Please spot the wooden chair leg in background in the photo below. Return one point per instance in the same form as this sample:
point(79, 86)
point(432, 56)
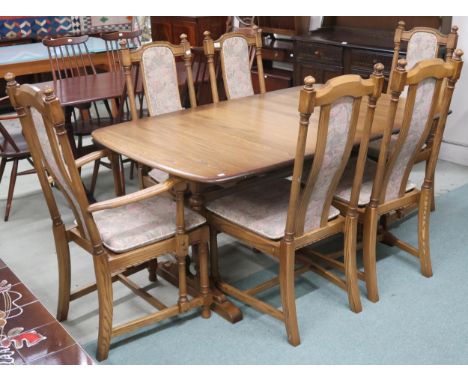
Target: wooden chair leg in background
point(105, 297)
point(92, 187)
point(423, 231)
point(2, 168)
point(153, 270)
point(11, 188)
point(371, 221)
point(288, 297)
point(350, 238)
point(63, 258)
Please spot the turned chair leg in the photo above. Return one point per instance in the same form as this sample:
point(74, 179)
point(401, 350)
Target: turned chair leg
point(352, 286)
point(11, 188)
point(288, 298)
point(204, 279)
point(371, 220)
point(63, 258)
point(92, 188)
point(153, 270)
point(423, 231)
point(105, 297)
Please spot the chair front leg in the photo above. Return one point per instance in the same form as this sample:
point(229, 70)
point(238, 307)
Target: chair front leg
point(288, 297)
point(181, 255)
point(11, 188)
point(350, 238)
point(423, 231)
point(64, 268)
point(105, 297)
point(371, 221)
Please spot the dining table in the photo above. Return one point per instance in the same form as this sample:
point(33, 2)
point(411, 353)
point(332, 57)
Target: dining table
point(224, 144)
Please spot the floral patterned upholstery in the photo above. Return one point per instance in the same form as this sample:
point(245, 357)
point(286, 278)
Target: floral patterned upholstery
point(53, 166)
point(235, 61)
point(158, 175)
point(419, 119)
point(343, 192)
point(338, 126)
point(262, 209)
point(160, 74)
point(374, 146)
point(421, 46)
point(138, 224)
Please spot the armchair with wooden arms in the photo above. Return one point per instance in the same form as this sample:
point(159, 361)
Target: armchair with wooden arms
point(123, 235)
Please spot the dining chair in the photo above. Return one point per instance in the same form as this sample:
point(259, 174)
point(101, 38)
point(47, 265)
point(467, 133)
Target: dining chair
point(69, 57)
point(281, 217)
point(13, 148)
point(157, 68)
point(124, 234)
point(235, 51)
point(422, 43)
point(386, 187)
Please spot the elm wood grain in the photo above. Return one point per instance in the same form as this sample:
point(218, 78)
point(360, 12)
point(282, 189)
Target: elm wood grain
point(226, 141)
point(61, 166)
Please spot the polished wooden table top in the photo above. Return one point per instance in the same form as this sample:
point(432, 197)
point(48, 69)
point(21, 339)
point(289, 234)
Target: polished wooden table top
point(224, 141)
point(74, 91)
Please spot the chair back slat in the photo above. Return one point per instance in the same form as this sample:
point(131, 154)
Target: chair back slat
point(69, 56)
point(427, 84)
point(339, 102)
point(156, 63)
point(112, 39)
point(236, 51)
point(423, 43)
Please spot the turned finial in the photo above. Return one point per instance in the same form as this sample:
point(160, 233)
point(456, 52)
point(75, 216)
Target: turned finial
point(183, 37)
point(458, 55)
point(10, 78)
point(123, 44)
point(378, 69)
point(401, 65)
point(309, 82)
point(454, 29)
point(401, 24)
point(207, 35)
point(49, 93)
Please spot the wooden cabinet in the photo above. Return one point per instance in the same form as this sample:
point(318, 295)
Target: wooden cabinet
point(169, 28)
point(352, 45)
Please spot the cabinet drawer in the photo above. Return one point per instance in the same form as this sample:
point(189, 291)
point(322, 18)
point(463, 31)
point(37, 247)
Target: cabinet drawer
point(365, 59)
point(307, 52)
point(282, 55)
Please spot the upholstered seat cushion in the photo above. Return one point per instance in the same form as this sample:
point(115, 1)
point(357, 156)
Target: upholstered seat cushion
point(158, 175)
point(262, 209)
point(343, 191)
point(138, 224)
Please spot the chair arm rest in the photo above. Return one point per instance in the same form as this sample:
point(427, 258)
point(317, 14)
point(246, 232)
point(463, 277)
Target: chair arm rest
point(135, 196)
point(91, 157)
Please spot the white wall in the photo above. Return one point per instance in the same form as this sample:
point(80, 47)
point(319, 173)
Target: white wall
point(455, 142)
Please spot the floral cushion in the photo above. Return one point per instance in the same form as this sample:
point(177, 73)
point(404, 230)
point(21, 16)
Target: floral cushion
point(158, 175)
point(343, 192)
point(138, 224)
point(262, 209)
